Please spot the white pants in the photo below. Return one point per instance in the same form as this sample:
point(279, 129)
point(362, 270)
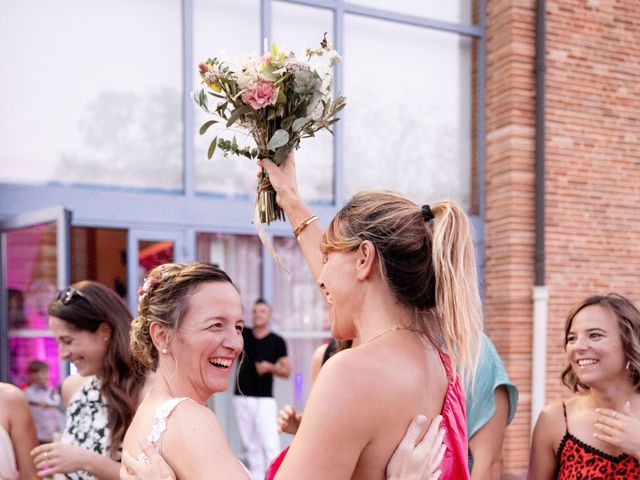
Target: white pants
point(258, 425)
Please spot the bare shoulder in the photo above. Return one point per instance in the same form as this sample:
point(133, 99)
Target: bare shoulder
point(550, 426)
point(195, 445)
point(318, 353)
point(191, 421)
point(12, 396)
point(350, 368)
point(71, 385)
point(551, 414)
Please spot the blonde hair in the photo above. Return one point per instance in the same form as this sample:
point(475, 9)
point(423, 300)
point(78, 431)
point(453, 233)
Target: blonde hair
point(428, 263)
point(164, 298)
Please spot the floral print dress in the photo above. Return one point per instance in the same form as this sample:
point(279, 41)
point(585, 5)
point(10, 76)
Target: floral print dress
point(87, 423)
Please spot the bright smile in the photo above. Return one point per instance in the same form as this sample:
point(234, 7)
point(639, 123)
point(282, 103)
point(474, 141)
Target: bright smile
point(220, 362)
point(585, 362)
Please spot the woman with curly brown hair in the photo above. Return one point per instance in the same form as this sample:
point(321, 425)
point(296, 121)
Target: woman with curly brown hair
point(189, 328)
point(595, 433)
point(402, 279)
point(91, 324)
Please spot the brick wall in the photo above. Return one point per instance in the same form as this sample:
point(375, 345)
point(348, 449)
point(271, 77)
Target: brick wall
point(509, 267)
point(592, 175)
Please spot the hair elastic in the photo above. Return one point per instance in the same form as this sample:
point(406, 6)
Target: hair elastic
point(427, 214)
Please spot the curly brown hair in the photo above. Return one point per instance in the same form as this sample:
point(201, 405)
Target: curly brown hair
point(164, 298)
point(121, 379)
point(628, 317)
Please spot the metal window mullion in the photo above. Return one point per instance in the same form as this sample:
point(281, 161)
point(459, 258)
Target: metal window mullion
point(338, 131)
point(188, 155)
point(381, 14)
point(480, 137)
point(4, 312)
point(265, 25)
point(469, 30)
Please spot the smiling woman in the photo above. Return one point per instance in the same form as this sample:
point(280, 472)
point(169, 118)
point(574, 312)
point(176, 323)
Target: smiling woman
point(601, 433)
point(189, 328)
point(91, 325)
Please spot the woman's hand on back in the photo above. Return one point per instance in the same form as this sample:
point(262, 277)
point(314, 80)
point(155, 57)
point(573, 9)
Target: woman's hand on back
point(156, 469)
point(421, 461)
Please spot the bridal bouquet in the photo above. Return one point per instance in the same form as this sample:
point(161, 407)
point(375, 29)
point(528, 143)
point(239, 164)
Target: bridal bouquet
point(278, 99)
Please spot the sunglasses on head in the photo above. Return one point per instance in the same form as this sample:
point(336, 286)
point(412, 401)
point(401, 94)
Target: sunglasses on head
point(67, 295)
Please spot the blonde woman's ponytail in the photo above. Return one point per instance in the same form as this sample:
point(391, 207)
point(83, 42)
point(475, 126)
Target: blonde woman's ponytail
point(457, 297)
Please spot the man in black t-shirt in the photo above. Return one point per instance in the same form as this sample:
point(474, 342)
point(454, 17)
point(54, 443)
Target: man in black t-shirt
point(265, 355)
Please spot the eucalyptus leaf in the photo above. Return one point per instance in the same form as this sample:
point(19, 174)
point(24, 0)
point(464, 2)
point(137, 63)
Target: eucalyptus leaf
point(237, 113)
point(281, 154)
point(286, 123)
point(299, 123)
point(282, 98)
point(278, 139)
point(212, 147)
point(206, 126)
point(315, 99)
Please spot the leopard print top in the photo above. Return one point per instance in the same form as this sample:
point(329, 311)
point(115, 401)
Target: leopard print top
point(577, 459)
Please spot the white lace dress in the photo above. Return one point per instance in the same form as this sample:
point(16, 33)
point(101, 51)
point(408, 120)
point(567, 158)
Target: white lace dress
point(8, 470)
point(159, 426)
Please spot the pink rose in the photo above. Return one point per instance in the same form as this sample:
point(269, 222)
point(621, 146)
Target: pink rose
point(260, 96)
point(203, 68)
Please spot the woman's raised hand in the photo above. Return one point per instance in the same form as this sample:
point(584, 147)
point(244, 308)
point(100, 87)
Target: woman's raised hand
point(283, 178)
point(421, 461)
point(620, 429)
point(289, 420)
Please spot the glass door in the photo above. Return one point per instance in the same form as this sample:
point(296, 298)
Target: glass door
point(35, 259)
point(146, 249)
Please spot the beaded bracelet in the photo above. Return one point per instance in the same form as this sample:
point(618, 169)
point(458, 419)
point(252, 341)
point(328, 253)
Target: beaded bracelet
point(307, 221)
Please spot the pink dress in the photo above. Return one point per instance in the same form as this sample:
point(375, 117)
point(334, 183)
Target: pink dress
point(454, 421)
point(454, 465)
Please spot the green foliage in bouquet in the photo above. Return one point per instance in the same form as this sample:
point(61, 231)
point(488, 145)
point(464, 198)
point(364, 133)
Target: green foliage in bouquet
point(278, 99)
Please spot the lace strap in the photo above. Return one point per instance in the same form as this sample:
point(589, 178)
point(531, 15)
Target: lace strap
point(160, 419)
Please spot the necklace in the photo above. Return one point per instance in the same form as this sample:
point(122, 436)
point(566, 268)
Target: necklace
point(392, 329)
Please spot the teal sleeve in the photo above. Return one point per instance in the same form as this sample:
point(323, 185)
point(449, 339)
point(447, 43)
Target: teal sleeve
point(490, 374)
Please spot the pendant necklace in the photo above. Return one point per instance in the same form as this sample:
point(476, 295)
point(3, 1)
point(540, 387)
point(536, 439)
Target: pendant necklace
point(392, 329)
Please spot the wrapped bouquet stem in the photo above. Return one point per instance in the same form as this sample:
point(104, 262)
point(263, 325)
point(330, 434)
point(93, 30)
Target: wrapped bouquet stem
point(277, 99)
point(265, 204)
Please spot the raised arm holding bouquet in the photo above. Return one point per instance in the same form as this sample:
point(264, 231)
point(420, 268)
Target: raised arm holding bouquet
point(278, 99)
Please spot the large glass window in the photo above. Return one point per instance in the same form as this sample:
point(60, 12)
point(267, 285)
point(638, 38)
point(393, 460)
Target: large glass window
point(230, 30)
point(408, 124)
point(240, 256)
point(298, 27)
point(92, 93)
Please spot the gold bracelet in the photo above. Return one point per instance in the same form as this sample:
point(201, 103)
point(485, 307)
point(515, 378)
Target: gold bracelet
point(307, 221)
